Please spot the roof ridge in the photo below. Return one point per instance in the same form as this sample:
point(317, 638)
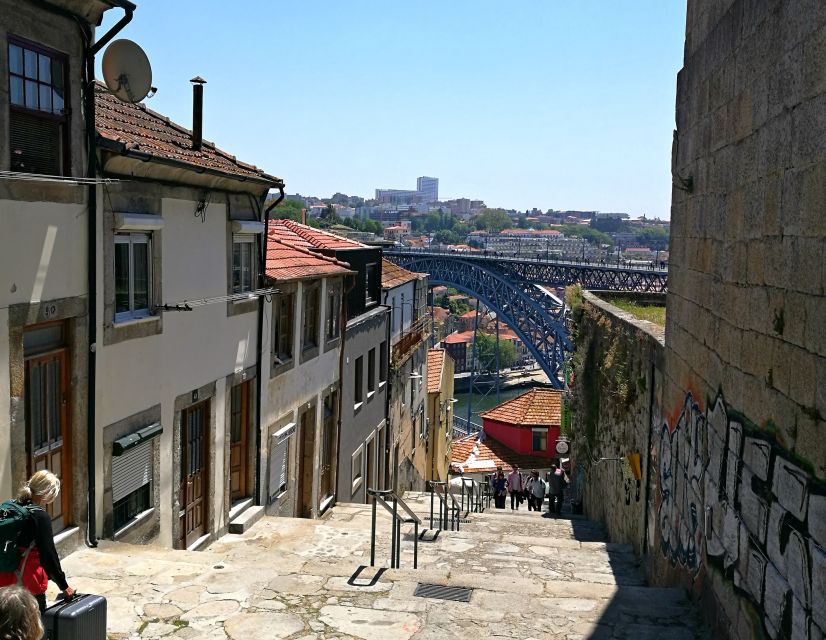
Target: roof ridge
point(308, 252)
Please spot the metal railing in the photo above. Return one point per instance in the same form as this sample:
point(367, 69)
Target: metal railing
point(383, 497)
point(449, 508)
point(478, 499)
point(462, 427)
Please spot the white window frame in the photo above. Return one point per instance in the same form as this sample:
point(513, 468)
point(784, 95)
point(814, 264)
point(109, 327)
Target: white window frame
point(239, 240)
point(357, 470)
point(132, 238)
point(282, 438)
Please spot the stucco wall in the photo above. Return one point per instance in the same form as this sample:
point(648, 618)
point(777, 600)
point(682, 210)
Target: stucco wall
point(520, 438)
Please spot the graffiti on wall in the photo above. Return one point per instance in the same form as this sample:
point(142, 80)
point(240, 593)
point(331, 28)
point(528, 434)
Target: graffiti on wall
point(731, 497)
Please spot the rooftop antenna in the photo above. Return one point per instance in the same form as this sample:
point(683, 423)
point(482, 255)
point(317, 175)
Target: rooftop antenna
point(126, 71)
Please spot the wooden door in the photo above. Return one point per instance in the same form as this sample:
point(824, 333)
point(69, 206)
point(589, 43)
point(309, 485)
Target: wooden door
point(47, 426)
point(239, 439)
point(304, 495)
point(328, 448)
point(194, 471)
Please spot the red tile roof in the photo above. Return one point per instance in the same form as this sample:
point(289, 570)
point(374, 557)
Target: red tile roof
point(143, 131)
point(435, 366)
point(286, 262)
point(536, 407)
point(317, 238)
point(440, 314)
point(468, 455)
point(459, 337)
point(392, 275)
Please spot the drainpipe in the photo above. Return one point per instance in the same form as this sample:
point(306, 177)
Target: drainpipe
point(348, 287)
point(259, 336)
point(91, 258)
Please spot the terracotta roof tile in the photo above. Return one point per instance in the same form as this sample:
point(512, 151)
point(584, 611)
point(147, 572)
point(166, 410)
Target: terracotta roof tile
point(142, 130)
point(287, 262)
point(319, 238)
point(392, 275)
point(435, 366)
point(469, 455)
point(536, 407)
point(440, 314)
point(459, 337)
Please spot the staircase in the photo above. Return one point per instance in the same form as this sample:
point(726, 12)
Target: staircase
point(502, 575)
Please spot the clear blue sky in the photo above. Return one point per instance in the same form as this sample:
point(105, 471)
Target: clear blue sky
point(564, 104)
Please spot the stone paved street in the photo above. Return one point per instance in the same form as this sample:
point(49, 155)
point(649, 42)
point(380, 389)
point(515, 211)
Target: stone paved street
point(532, 577)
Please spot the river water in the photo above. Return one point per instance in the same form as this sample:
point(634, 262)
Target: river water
point(485, 402)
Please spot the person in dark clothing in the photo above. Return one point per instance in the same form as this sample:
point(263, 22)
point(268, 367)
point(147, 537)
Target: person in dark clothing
point(556, 489)
point(500, 489)
point(40, 562)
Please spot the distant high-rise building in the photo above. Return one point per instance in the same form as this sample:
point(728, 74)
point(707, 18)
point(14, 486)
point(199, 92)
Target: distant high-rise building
point(428, 188)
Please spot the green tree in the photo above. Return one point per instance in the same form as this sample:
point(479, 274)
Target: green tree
point(655, 238)
point(522, 222)
point(593, 236)
point(492, 220)
point(486, 352)
point(288, 209)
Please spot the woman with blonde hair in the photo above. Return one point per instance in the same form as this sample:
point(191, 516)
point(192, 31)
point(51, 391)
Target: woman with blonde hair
point(39, 561)
point(19, 615)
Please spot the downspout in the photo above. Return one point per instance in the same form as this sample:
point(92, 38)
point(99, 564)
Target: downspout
point(348, 287)
point(262, 275)
point(91, 260)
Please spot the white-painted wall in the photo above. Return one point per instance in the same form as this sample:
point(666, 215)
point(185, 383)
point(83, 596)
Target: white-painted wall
point(196, 347)
point(6, 488)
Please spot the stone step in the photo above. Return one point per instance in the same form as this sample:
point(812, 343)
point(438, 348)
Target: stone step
point(246, 519)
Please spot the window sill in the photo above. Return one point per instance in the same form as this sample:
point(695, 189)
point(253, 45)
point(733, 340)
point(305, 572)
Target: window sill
point(126, 321)
point(325, 504)
point(142, 517)
point(357, 406)
point(356, 484)
point(382, 384)
point(65, 535)
point(370, 395)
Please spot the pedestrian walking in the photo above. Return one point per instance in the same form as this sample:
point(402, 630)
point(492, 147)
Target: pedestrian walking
point(516, 487)
point(19, 615)
point(500, 489)
point(29, 556)
point(535, 488)
point(556, 489)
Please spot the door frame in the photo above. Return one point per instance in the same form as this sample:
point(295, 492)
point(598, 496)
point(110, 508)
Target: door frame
point(206, 469)
point(247, 437)
point(63, 352)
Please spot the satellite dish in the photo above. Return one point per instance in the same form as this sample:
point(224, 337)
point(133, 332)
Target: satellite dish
point(126, 71)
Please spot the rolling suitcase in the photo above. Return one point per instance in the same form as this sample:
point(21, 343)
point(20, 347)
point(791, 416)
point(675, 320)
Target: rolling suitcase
point(82, 618)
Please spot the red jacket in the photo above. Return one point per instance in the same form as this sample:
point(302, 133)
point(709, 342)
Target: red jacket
point(35, 580)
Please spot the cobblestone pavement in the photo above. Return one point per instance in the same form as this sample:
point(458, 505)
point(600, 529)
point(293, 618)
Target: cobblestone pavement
point(532, 578)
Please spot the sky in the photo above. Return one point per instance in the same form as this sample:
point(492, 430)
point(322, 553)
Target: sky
point(561, 104)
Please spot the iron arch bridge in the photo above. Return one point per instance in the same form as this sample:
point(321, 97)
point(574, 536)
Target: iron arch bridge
point(512, 287)
point(542, 332)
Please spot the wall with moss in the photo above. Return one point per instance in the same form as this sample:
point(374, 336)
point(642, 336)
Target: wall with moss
point(614, 404)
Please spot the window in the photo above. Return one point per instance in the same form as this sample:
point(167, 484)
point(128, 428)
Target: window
point(540, 439)
point(131, 484)
point(358, 396)
point(132, 276)
point(401, 314)
point(283, 314)
point(412, 393)
point(280, 461)
point(333, 313)
point(370, 281)
point(243, 263)
point(38, 118)
point(383, 363)
point(310, 338)
point(357, 468)
point(371, 371)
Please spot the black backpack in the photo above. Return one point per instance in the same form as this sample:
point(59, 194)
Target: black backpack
point(13, 518)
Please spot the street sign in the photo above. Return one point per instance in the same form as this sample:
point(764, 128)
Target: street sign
point(562, 447)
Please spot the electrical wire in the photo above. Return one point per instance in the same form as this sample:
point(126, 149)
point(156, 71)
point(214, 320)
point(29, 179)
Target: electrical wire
point(189, 305)
point(37, 177)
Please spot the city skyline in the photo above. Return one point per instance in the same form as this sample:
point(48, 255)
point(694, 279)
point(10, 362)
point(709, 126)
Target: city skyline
point(539, 105)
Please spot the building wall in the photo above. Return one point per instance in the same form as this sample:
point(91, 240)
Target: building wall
point(407, 437)
point(358, 426)
point(520, 438)
point(163, 360)
point(436, 463)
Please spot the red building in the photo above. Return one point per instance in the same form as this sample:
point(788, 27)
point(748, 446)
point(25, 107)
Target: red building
point(529, 424)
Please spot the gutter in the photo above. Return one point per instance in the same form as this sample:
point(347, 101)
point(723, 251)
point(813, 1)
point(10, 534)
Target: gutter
point(260, 351)
point(91, 258)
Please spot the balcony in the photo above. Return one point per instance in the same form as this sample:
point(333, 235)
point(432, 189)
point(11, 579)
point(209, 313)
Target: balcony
point(409, 340)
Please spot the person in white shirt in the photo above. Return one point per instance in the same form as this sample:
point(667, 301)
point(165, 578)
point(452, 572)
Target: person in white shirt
point(516, 486)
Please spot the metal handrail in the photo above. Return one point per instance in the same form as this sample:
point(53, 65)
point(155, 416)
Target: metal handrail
point(442, 490)
point(382, 496)
point(475, 502)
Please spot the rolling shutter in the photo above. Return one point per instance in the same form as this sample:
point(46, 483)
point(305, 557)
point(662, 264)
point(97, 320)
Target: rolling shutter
point(279, 460)
point(35, 144)
point(132, 470)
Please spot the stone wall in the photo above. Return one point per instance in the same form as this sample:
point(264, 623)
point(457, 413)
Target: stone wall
point(737, 498)
point(742, 460)
point(615, 398)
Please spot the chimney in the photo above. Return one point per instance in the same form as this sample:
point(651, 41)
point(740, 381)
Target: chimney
point(197, 112)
